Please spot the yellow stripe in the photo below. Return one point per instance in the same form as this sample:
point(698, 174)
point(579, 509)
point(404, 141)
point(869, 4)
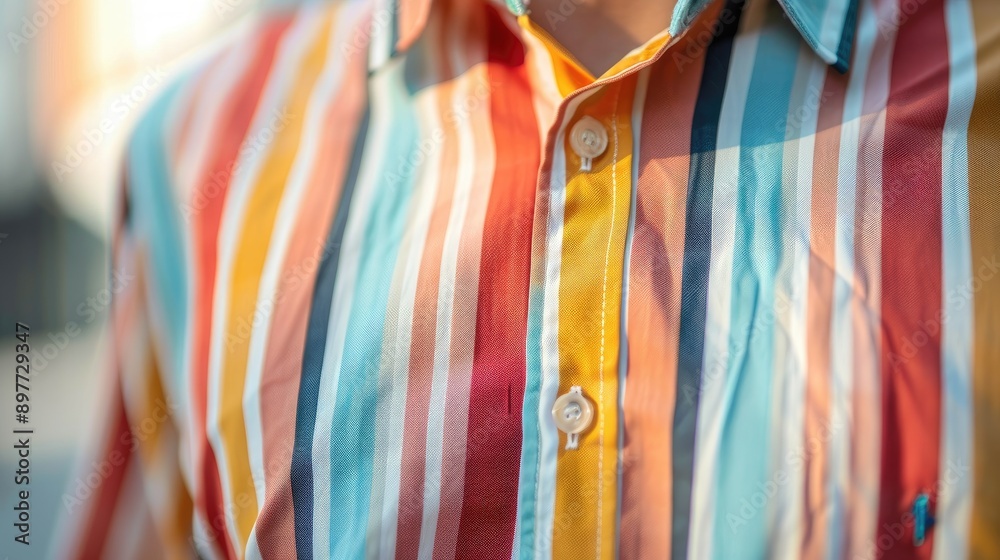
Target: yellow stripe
point(984, 221)
point(247, 266)
point(595, 225)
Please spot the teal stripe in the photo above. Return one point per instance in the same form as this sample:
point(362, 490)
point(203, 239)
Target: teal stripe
point(352, 439)
point(524, 544)
point(155, 217)
point(744, 494)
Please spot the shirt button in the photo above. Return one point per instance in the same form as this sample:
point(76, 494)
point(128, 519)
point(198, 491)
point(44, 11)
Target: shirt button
point(589, 139)
point(572, 413)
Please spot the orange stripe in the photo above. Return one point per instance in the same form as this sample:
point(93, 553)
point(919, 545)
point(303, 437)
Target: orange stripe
point(654, 310)
point(822, 265)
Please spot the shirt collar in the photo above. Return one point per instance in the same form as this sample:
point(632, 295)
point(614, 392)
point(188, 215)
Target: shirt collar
point(826, 25)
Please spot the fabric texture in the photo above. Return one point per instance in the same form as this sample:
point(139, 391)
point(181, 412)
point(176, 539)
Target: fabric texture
point(369, 259)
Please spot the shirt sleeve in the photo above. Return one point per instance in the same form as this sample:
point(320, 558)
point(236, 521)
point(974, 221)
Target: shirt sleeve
point(128, 497)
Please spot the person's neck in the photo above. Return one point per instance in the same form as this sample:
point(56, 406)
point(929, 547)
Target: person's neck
point(600, 32)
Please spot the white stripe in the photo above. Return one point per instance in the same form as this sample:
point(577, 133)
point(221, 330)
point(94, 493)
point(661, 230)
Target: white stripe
point(278, 83)
point(475, 169)
point(548, 441)
point(711, 416)
point(955, 497)
point(384, 13)
point(206, 120)
point(791, 362)
point(205, 128)
point(396, 353)
point(382, 84)
point(866, 381)
point(842, 320)
point(638, 109)
point(284, 225)
point(253, 551)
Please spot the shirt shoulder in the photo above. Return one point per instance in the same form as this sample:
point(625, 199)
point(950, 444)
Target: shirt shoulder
point(207, 137)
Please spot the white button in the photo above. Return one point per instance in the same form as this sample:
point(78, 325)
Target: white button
point(588, 138)
point(573, 414)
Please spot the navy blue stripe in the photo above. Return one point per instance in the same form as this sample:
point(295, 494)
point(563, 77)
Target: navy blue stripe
point(847, 38)
point(694, 280)
point(312, 359)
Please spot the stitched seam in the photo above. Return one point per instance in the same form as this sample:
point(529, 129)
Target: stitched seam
point(604, 314)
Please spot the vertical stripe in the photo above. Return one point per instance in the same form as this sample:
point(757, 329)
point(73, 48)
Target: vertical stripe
point(791, 305)
point(286, 210)
point(529, 527)
point(309, 251)
point(819, 427)
point(635, 122)
point(757, 243)
point(705, 131)
point(213, 189)
point(654, 296)
point(345, 438)
point(911, 303)
point(843, 511)
point(954, 498)
point(240, 259)
point(461, 249)
point(712, 416)
point(397, 336)
point(415, 481)
point(555, 179)
point(866, 310)
point(457, 310)
point(317, 336)
point(493, 444)
point(984, 227)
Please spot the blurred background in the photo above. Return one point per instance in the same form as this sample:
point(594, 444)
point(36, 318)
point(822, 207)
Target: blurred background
point(74, 77)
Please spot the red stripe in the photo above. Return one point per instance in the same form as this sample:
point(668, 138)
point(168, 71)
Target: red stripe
point(911, 267)
point(493, 444)
point(95, 534)
point(211, 190)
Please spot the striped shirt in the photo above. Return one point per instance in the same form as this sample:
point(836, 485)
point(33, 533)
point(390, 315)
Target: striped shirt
point(408, 282)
